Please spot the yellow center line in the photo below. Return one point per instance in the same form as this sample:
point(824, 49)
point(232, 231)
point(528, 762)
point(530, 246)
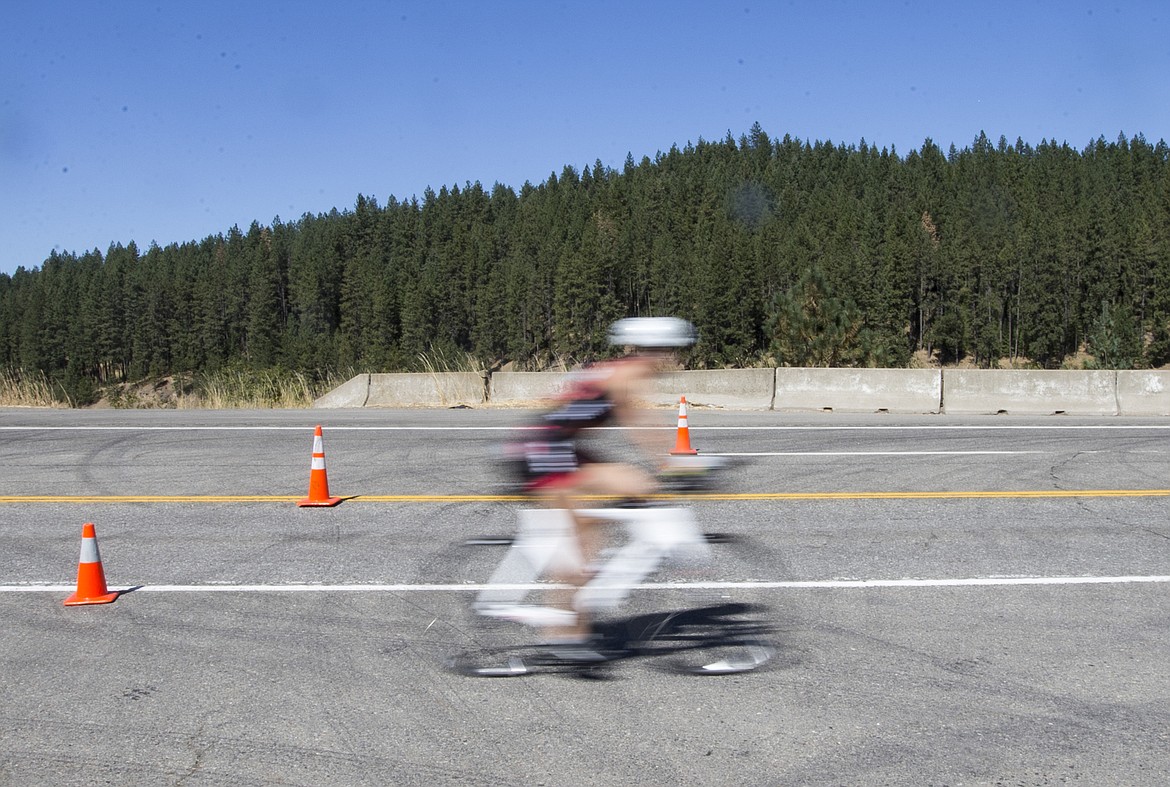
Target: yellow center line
point(697, 496)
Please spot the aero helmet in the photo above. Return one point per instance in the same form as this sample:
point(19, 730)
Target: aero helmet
point(653, 332)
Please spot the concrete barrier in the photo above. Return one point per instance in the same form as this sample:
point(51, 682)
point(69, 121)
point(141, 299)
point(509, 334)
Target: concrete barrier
point(859, 390)
point(741, 389)
point(1038, 392)
point(736, 389)
point(1143, 393)
point(352, 393)
point(954, 391)
point(441, 389)
point(525, 388)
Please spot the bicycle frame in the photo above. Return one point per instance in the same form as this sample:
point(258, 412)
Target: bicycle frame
point(546, 542)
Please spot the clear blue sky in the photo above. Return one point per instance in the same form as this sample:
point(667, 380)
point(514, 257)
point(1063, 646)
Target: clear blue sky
point(168, 122)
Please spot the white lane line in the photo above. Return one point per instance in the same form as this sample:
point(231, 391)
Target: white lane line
point(749, 585)
point(255, 428)
point(521, 427)
point(935, 427)
point(883, 453)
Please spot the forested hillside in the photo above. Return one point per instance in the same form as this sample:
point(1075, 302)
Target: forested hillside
point(781, 251)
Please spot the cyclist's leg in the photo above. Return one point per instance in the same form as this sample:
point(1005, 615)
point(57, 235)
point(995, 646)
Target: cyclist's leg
point(592, 478)
point(613, 478)
point(544, 538)
point(569, 572)
point(655, 534)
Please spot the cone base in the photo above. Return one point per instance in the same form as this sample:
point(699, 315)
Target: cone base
point(77, 600)
point(684, 452)
point(323, 502)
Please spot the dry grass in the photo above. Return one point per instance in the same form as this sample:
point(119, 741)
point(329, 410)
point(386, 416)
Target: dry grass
point(18, 389)
point(438, 361)
point(233, 390)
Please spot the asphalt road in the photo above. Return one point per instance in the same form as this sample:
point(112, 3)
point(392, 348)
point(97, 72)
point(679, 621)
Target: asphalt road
point(955, 601)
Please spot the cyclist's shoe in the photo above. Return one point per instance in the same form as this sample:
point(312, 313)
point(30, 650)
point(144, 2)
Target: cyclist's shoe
point(529, 614)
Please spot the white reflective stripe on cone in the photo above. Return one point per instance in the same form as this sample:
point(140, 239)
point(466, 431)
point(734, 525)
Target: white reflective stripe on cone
point(318, 462)
point(89, 551)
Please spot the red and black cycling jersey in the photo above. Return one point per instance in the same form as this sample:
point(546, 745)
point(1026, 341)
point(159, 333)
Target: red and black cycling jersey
point(595, 408)
point(552, 454)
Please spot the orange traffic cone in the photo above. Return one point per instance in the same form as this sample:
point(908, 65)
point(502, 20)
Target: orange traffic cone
point(682, 445)
point(91, 580)
point(318, 479)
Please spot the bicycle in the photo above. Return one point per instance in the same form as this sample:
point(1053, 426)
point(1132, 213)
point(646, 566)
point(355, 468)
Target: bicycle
point(718, 639)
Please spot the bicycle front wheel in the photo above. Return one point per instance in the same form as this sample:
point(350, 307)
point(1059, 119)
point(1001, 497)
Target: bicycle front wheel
point(725, 639)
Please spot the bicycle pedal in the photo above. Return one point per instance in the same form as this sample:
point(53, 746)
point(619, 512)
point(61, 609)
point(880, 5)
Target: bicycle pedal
point(575, 654)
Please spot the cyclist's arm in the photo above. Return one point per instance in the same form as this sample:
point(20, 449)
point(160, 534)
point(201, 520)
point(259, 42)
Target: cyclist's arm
point(627, 387)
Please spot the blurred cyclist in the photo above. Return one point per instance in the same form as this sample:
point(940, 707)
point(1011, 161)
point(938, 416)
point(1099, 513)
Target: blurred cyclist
point(559, 471)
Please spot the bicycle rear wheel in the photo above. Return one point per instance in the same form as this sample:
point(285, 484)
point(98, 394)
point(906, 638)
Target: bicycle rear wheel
point(493, 662)
point(519, 660)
